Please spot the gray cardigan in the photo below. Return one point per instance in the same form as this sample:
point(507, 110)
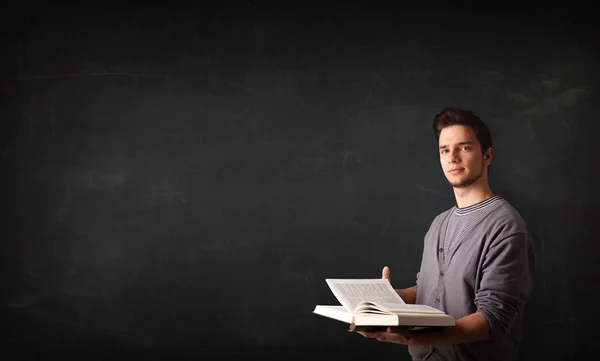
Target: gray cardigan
point(490, 269)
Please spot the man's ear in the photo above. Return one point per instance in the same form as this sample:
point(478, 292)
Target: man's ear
point(488, 155)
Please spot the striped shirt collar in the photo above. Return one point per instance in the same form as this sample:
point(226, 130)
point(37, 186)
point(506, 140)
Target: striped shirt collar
point(477, 206)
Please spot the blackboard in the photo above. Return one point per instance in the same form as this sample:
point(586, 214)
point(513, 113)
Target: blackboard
point(181, 181)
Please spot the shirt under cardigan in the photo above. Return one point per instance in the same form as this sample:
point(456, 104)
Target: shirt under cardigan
point(478, 258)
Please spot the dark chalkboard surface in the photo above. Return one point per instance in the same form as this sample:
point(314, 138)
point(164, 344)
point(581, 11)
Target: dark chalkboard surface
point(180, 182)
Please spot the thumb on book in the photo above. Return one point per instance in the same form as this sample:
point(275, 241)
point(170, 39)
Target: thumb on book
point(385, 273)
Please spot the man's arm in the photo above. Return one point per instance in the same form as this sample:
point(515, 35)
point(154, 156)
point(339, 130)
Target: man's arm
point(507, 282)
point(506, 285)
point(409, 295)
point(471, 328)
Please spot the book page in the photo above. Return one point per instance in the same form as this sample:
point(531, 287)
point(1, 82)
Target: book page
point(350, 292)
point(375, 307)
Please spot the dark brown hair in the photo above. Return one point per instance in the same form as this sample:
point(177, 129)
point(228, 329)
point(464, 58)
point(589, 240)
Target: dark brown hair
point(454, 116)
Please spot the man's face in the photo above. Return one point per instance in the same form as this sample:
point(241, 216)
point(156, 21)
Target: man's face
point(461, 158)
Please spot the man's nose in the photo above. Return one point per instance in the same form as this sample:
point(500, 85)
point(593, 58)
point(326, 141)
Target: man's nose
point(453, 158)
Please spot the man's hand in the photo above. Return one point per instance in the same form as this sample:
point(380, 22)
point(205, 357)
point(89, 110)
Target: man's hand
point(400, 335)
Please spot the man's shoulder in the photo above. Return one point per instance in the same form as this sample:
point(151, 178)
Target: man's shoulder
point(506, 210)
point(507, 217)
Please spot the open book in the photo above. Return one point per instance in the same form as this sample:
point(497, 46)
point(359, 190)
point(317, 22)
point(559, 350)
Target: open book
point(374, 302)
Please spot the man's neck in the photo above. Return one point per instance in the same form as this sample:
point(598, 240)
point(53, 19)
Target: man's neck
point(472, 195)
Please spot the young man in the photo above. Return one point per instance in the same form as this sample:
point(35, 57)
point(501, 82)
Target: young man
point(478, 257)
